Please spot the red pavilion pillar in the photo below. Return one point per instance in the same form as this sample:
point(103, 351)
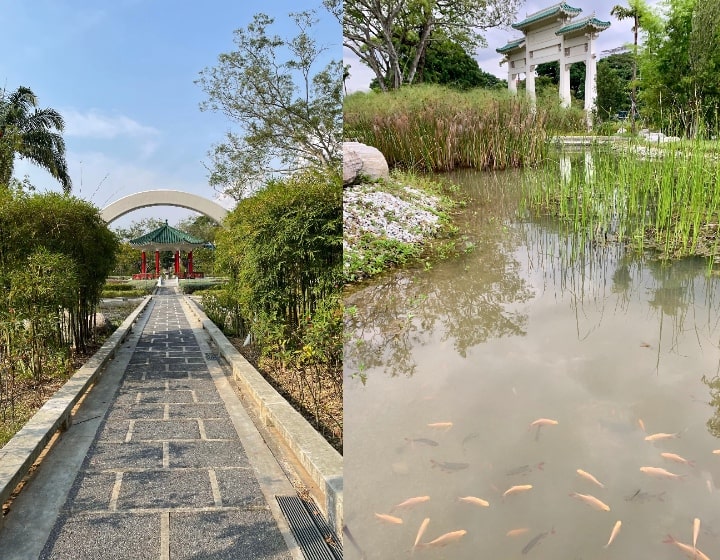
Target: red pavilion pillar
point(177, 263)
point(157, 263)
point(143, 264)
point(190, 265)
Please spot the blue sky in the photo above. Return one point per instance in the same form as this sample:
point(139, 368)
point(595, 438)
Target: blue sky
point(616, 35)
point(121, 73)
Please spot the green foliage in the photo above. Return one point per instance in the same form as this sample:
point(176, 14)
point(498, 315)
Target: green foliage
point(577, 76)
point(435, 128)
point(446, 62)
point(392, 37)
point(289, 111)
point(55, 253)
point(681, 84)
point(282, 249)
point(31, 133)
point(65, 226)
point(614, 74)
point(372, 255)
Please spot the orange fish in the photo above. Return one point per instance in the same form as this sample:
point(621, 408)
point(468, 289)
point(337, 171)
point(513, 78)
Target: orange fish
point(716, 451)
point(474, 500)
point(441, 425)
point(660, 436)
point(696, 531)
point(590, 477)
point(642, 425)
point(613, 533)
point(591, 501)
point(516, 489)
point(517, 532)
point(677, 459)
point(659, 472)
point(389, 518)
point(410, 502)
point(544, 422)
point(447, 538)
point(421, 531)
point(687, 549)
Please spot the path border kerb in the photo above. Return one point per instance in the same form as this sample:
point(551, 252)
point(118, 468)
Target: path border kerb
point(317, 456)
point(19, 454)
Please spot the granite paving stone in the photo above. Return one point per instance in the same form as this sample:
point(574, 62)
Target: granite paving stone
point(226, 536)
point(165, 489)
point(165, 430)
point(124, 455)
point(220, 428)
point(136, 411)
point(92, 537)
point(163, 396)
point(91, 491)
point(238, 489)
point(207, 454)
point(213, 410)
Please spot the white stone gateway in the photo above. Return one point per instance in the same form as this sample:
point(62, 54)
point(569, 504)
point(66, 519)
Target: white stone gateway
point(555, 33)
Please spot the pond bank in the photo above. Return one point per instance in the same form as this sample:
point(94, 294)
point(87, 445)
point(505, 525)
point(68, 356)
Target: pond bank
point(388, 223)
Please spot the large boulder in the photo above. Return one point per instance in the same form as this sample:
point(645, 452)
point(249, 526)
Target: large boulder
point(361, 160)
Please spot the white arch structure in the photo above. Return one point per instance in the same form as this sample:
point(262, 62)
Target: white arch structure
point(555, 33)
point(164, 197)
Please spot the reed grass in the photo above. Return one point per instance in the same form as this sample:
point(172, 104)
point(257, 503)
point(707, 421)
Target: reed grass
point(432, 128)
point(665, 199)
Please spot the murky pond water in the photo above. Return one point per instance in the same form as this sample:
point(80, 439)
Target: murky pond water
point(460, 360)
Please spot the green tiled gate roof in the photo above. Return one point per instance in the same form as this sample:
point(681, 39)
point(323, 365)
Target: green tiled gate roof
point(561, 7)
point(166, 235)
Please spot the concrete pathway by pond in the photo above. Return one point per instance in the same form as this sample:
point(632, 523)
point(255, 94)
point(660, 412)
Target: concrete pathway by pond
point(167, 466)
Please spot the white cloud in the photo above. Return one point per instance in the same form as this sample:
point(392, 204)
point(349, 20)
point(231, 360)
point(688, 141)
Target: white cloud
point(94, 124)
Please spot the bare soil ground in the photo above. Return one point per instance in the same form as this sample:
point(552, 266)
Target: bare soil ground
point(311, 394)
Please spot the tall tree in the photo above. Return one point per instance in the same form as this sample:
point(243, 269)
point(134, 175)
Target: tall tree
point(682, 86)
point(31, 133)
point(637, 10)
point(289, 111)
point(614, 76)
point(375, 30)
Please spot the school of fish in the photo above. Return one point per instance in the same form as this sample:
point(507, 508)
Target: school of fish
point(517, 490)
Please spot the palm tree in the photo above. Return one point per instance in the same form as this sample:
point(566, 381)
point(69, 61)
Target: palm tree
point(31, 133)
point(634, 10)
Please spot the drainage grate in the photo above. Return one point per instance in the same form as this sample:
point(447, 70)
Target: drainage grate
point(211, 356)
point(304, 526)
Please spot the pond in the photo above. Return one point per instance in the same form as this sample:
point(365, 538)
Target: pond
point(448, 371)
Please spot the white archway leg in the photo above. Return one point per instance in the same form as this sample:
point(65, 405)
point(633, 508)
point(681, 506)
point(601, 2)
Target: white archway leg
point(530, 83)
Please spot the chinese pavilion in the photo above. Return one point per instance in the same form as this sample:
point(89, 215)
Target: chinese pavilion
point(167, 238)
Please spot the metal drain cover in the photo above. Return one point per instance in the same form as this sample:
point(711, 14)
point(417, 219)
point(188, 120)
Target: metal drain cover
point(306, 531)
point(211, 356)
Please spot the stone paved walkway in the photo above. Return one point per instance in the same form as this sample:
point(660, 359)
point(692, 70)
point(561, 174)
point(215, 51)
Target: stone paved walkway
point(166, 475)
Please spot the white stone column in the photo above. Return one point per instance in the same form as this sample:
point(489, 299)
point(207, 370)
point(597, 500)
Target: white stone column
point(565, 168)
point(512, 82)
point(590, 80)
point(530, 82)
point(564, 83)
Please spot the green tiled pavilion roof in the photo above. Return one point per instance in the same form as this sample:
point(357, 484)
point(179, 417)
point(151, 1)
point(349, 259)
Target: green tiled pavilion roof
point(558, 8)
point(590, 21)
point(166, 235)
point(511, 45)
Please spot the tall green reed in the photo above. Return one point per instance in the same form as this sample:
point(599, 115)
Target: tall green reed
point(665, 198)
point(432, 128)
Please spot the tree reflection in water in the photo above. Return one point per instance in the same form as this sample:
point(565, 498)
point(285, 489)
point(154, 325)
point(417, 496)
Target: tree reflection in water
point(481, 295)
